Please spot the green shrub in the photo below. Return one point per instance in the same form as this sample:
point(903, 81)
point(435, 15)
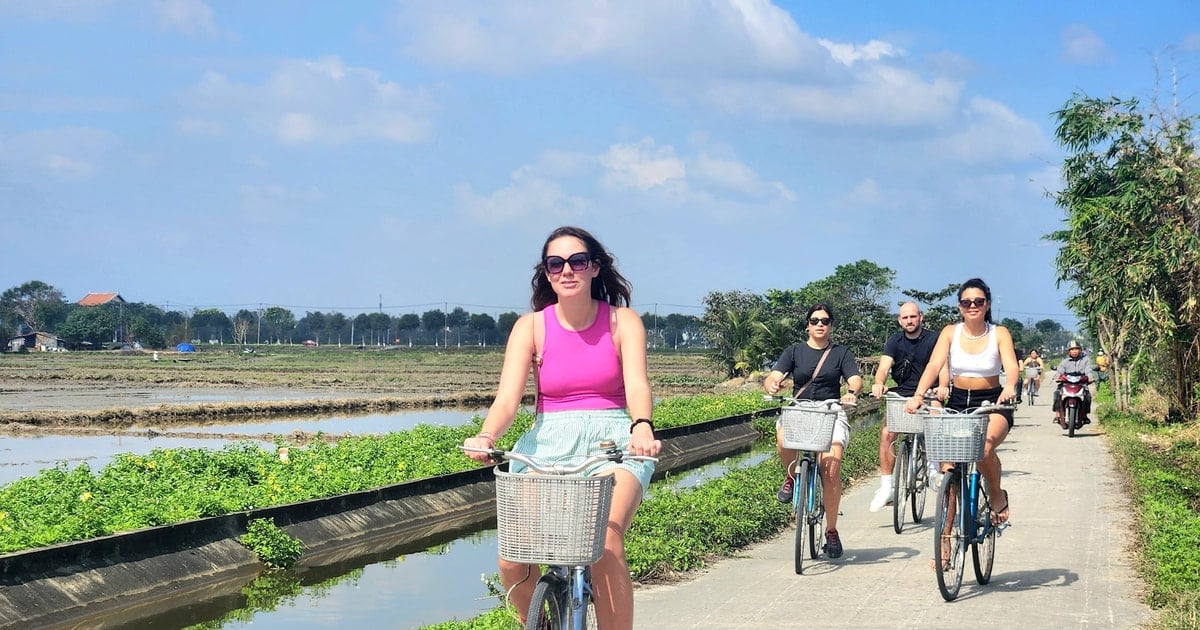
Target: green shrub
point(275, 548)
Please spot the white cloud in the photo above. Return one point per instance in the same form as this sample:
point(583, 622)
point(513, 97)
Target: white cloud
point(323, 102)
point(1082, 45)
point(527, 196)
point(190, 17)
point(1190, 42)
point(992, 133)
point(848, 54)
point(673, 35)
point(878, 97)
point(712, 181)
point(643, 165)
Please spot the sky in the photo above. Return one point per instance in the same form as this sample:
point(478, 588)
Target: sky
point(415, 155)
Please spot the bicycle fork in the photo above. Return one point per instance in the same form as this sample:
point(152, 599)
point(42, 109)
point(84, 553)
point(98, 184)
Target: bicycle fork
point(974, 528)
point(580, 594)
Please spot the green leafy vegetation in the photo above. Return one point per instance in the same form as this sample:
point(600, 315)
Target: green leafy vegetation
point(273, 546)
point(172, 485)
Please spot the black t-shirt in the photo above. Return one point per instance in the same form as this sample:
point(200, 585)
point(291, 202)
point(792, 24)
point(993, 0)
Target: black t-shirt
point(800, 360)
point(909, 358)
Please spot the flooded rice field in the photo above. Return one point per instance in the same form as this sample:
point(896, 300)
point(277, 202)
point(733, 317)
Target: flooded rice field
point(23, 455)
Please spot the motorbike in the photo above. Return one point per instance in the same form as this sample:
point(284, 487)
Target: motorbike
point(1072, 387)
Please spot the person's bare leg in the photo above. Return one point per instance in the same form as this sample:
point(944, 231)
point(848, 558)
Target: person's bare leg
point(610, 575)
point(989, 466)
point(524, 576)
point(831, 483)
point(887, 453)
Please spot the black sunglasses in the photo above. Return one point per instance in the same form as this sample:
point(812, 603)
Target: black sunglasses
point(824, 321)
point(972, 302)
point(578, 262)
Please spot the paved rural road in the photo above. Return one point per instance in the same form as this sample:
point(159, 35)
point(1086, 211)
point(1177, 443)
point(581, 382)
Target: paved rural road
point(1064, 563)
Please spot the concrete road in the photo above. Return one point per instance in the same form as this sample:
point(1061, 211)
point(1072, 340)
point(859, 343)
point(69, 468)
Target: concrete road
point(1064, 562)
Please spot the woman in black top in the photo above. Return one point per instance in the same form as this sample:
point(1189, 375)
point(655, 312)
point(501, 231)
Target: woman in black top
point(800, 361)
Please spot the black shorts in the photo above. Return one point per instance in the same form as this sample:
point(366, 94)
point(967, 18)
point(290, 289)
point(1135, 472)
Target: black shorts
point(964, 399)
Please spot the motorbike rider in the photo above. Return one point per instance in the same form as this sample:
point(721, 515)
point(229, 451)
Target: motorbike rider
point(1076, 361)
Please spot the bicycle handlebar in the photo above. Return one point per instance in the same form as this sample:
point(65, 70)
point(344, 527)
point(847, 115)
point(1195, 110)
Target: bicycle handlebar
point(890, 395)
point(828, 404)
point(609, 455)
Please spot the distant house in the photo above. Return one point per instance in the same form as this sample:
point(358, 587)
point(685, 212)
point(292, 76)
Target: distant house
point(35, 341)
point(98, 299)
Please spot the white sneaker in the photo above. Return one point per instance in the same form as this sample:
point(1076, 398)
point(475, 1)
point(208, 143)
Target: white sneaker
point(883, 496)
point(935, 475)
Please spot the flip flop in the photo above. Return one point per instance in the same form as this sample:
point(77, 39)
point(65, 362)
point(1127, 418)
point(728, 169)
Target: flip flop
point(996, 514)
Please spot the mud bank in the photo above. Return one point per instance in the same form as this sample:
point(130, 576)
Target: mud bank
point(107, 582)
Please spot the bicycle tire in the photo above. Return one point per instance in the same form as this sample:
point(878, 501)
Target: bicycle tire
point(1072, 419)
point(1032, 391)
point(800, 502)
point(949, 568)
point(549, 605)
point(816, 516)
point(918, 470)
point(900, 485)
point(983, 551)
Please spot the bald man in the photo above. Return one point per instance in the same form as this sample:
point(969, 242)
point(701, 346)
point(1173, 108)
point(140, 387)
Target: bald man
point(905, 356)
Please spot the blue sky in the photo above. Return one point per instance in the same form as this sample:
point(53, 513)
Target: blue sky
point(327, 156)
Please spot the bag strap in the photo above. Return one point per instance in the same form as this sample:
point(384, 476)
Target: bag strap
point(539, 344)
point(815, 372)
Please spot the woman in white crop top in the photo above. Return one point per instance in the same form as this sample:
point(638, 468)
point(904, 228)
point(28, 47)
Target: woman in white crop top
point(978, 351)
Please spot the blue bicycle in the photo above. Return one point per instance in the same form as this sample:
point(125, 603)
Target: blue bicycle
point(807, 426)
point(963, 518)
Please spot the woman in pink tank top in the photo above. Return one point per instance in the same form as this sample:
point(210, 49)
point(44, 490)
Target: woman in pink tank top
point(589, 350)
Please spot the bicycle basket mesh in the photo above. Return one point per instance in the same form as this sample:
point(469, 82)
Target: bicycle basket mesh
point(900, 421)
point(807, 427)
point(552, 519)
point(955, 438)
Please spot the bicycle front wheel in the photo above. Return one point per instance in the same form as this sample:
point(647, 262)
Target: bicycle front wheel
point(800, 498)
point(900, 485)
point(918, 472)
point(949, 549)
point(983, 551)
point(550, 604)
point(1032, 390)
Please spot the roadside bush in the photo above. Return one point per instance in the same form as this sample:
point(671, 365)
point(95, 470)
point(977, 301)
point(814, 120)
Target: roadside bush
point(273, 546)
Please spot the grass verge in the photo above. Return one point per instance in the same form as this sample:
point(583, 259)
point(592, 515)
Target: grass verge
point(1161, 464)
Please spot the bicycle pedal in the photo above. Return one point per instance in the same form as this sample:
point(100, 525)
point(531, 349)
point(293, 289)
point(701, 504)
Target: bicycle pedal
point(1001, 527)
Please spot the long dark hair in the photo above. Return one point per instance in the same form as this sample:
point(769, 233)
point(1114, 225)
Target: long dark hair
point(978, 283)
point(610, 286)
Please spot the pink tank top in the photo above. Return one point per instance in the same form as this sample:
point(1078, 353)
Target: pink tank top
point(580, 369)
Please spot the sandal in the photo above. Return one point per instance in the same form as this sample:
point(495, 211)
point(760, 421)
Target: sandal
point(947, 551)
point(1000, 516)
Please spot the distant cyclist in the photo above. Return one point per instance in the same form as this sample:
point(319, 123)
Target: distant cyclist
point(905, 356)
point(1032, 366)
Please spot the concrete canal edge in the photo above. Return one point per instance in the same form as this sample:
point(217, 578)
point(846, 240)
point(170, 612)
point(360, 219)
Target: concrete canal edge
point(110, 580)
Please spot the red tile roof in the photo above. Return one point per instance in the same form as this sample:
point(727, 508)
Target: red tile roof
point(96, 299)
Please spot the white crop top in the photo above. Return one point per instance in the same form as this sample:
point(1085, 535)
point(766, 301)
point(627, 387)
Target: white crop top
point(984, 364)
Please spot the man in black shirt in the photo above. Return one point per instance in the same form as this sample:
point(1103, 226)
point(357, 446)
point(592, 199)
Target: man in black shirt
point(905, 356)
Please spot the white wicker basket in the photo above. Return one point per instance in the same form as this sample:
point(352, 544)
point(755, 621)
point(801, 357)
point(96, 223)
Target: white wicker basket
point(900, 421)
point(808, 426)
point(955, 437)
point(552, 519)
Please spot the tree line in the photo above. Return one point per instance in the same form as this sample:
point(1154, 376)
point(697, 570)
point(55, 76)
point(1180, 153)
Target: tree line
point(39, 307)
point(748, 331)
